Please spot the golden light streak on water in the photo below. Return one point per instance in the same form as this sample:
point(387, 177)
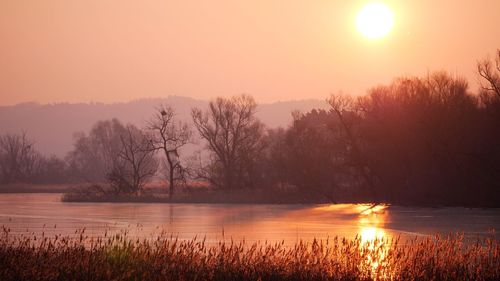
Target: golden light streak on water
point(371, 223)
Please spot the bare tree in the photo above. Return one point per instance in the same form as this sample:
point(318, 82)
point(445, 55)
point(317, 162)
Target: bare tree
point(18, 158)
point(233, 135)
point(95, 154)
point(490, 73)
point(120, 154)
point(345, 107)
point(168, 135)
point(137, 163)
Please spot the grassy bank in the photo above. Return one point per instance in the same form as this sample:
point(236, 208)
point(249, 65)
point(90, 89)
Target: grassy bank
point(166, 258)
point(242, 196)
point(35, 188)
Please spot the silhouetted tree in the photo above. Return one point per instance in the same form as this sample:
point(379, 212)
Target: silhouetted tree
point(50, 170)
point(276, 164)
point(120, 154)
point(347, 111)
point(233, 135)
point(413, 132)
point(169, 136)
point(136, 161)
point(96, 154)
point(315, 158)
point(18, 158)
point(490, 72)
point(418, 140)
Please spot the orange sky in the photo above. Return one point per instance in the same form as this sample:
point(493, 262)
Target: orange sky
point(118, 50)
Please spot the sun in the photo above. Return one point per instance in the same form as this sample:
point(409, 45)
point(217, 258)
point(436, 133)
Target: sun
point(375, 20)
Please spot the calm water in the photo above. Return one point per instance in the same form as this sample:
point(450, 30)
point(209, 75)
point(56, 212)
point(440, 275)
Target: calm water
point(45, 213)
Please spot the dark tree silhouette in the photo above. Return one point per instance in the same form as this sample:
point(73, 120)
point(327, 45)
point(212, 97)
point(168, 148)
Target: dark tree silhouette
point(416, 141)
point(136, 161)
point(120, 154)
point(18, 158)
point(168, 136)
point(490, 72)
point(233, 135)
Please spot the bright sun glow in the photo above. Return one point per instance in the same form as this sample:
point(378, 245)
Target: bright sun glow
point(375, 20)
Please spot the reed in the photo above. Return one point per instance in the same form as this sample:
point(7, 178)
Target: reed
point(120, 257)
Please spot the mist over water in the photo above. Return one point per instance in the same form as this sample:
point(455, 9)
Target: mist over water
point(44, 213)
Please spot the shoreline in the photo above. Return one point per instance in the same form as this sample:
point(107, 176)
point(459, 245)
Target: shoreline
point(237, 200)
point(70, 194)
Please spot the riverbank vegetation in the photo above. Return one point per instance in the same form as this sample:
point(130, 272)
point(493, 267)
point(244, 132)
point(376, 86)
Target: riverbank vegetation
point(36, 188)
point(417, 141)
point(199, 195)
point(117, 257)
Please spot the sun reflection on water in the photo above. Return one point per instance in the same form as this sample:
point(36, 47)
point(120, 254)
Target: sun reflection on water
point(373, 237)
point(370, 234)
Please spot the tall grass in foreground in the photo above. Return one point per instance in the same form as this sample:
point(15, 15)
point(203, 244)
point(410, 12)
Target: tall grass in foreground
point(118, 257)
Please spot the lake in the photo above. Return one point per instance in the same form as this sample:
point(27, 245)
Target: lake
point(37, 213)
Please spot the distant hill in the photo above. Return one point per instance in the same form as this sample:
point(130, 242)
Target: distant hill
point(53, 126)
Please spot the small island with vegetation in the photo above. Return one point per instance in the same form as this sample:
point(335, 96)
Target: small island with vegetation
point(426, 141)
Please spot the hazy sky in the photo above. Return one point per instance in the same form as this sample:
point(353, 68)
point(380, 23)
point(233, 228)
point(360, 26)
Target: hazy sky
point(118, 50)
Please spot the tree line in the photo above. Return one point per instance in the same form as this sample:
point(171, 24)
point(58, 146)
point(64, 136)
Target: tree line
point(419, 140)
